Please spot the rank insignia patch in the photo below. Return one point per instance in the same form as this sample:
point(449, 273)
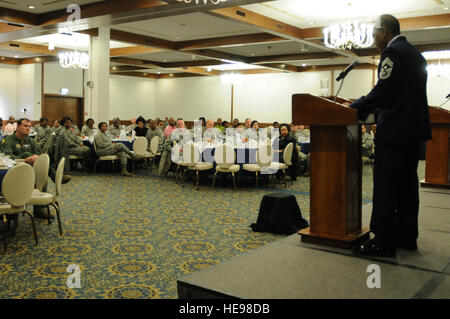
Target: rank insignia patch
point(386, 69)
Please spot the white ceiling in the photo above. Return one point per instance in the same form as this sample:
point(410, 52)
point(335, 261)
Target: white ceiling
point(17, 54)
point(275, 48)
point(167, 56)
point(73, 41)
point(42, 6)
point(307, 13)
point(187, 27)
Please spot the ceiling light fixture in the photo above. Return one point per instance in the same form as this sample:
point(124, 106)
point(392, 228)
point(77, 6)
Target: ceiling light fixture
point(347, 35)
point(74, 60)
point(31, 7)
point(200, 1)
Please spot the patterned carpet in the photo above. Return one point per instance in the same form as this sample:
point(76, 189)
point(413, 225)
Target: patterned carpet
point(133, 237)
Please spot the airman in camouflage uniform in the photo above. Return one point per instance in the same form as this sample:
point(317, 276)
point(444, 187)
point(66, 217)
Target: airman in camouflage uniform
point(155, 131)
point(73, 141)
point(114, 129)
point(105, 147)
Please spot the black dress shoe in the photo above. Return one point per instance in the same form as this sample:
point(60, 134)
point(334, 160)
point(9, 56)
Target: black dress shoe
point(41, 214)
point(374, 249)
point(406, 244)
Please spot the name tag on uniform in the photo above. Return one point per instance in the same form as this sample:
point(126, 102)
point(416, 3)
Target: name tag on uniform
point(26, 146)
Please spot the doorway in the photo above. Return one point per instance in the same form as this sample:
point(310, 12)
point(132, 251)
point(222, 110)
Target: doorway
point(55, 107)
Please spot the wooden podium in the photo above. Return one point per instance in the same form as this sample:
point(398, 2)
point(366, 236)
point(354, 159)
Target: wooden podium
point(335, 172)
point(437, 171)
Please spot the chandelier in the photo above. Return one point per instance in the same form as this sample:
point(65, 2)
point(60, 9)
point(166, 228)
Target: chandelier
point(74, 60)
point(347, 35)
point(204, 1)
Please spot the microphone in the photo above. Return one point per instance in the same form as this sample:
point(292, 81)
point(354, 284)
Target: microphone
point(345, 72)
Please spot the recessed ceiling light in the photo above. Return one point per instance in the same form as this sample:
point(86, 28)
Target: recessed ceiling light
point(312, 22)
point(193, 57)
point(252, 54)
point(445, 8)
point(165, 60)
point(304, 64)
point(145, 74)
point(16, 56)
point(159, 72)
point(171, 74)
point(31, 7)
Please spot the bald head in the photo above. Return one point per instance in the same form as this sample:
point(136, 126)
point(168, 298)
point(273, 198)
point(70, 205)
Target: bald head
point(209, 124)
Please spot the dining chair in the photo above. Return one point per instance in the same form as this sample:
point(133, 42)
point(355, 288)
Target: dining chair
point(225, 157)
point(17, 189)
point(49, 199)
point(105, 158)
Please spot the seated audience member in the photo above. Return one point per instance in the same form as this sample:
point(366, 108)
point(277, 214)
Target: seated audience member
point(20, 146)
point(89, 129)
point(212, 134)
point(56, 126)
point(219, 125)
point(203, 123)
point(367, 142)
point(235, 123)
point(283, 140)
point(140, 129)
point(253, 133)
point(11, 127)
point(179, 135)
point(114, 129)
point(75, 128)
point(153, 131)
point(170, 127)
point(37, 127)
point(302, 133)
point(73, 141)
point(240, 134)
point(133, 124)
point(105, 147)
point(166, 122)
point(161, 125)
point(43, 133)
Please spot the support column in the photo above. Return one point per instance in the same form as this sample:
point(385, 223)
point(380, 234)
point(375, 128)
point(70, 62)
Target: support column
point(97, 97)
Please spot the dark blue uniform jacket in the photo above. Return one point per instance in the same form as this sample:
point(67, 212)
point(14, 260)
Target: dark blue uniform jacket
point(400, 96)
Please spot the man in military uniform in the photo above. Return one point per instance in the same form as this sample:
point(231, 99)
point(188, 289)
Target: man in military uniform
point(43, 133)
point(105, 147)
point(114, 129)
point(211, 133)
point(401, 97)
point(20, 146)
point(73, 141)
point(180, 134)
point(155, 131)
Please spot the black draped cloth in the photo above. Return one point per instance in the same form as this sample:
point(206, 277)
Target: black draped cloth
point(279, 214)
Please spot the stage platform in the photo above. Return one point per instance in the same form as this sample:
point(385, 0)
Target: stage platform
point(290, 269)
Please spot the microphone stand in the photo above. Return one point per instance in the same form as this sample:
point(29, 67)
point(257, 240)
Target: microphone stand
point(340, 88)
